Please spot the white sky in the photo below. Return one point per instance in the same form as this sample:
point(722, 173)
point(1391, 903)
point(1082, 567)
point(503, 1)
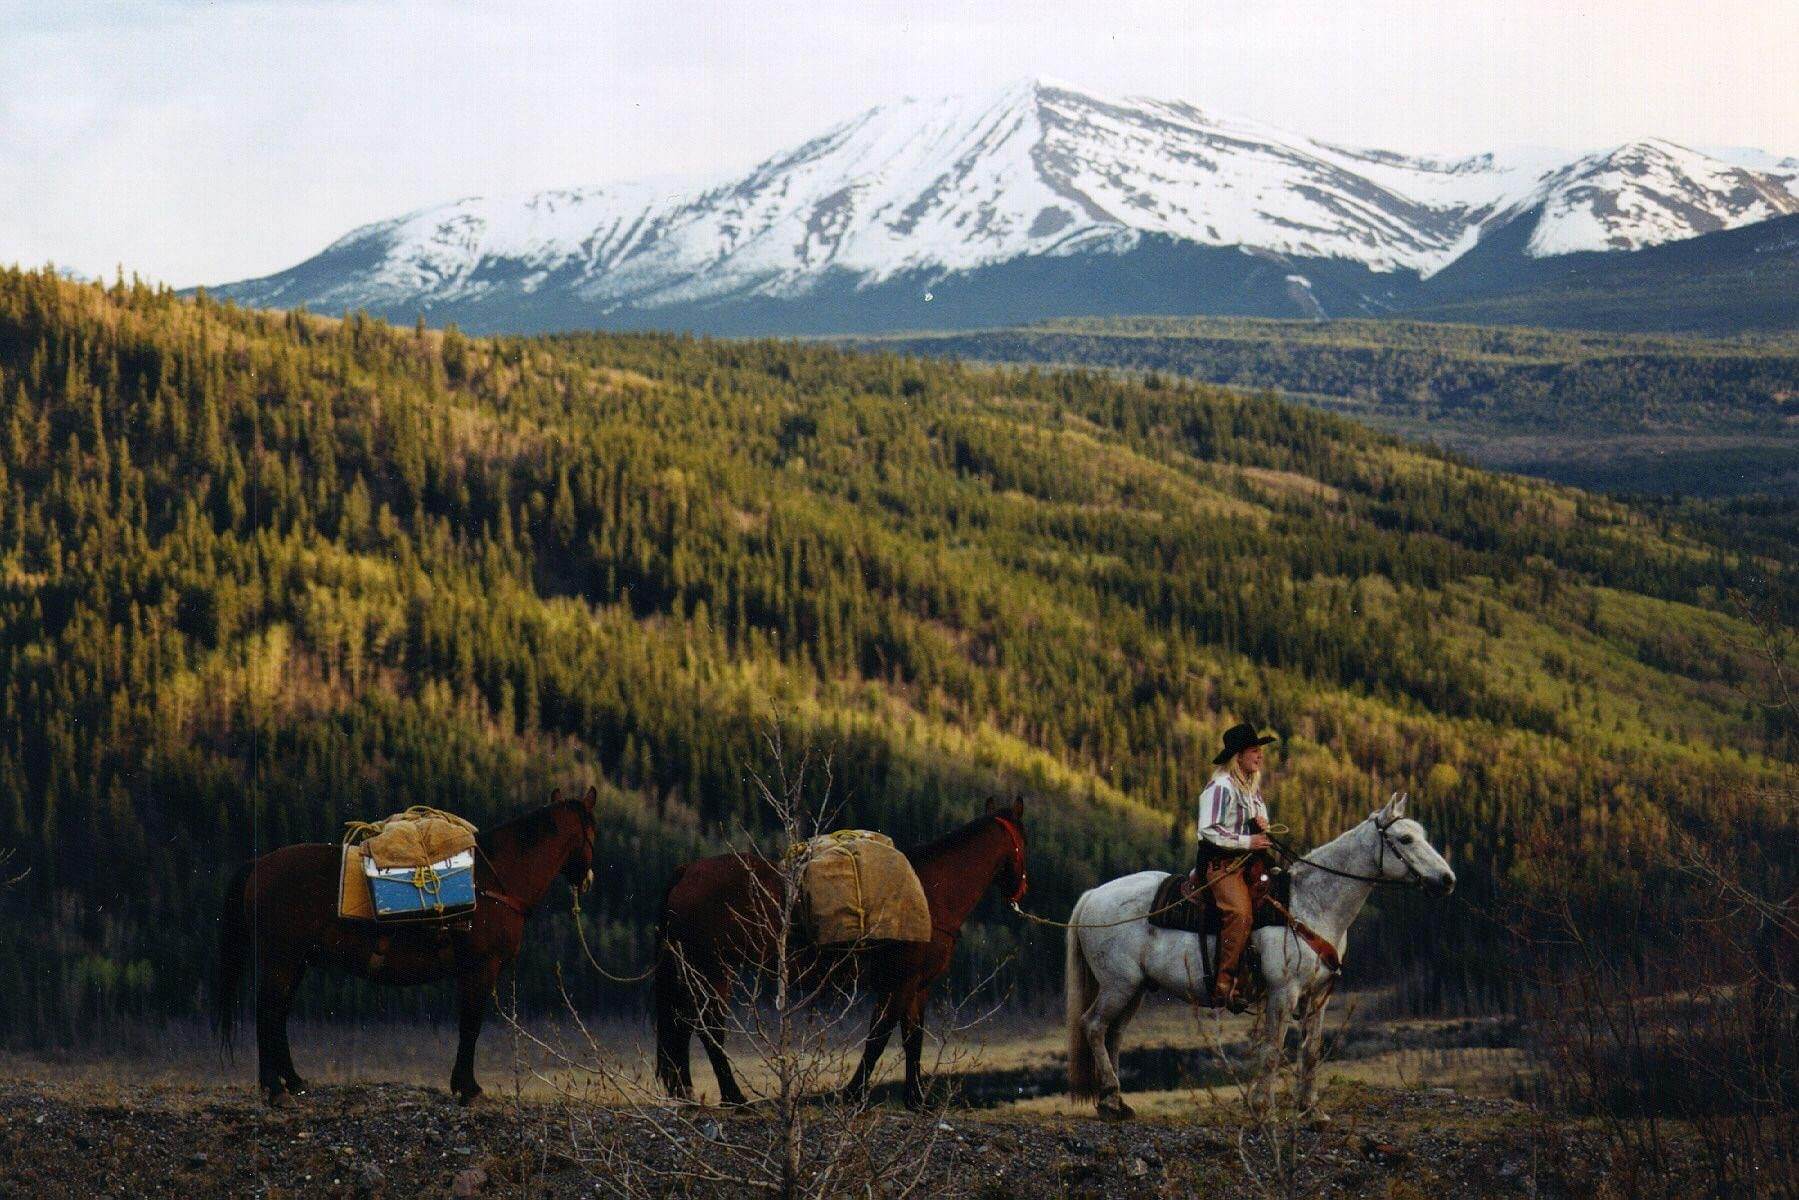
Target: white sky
point(209, 140)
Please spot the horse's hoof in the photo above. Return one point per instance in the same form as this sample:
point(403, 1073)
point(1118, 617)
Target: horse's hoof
point(278, 1098)
point(297, 1086)
point(468, 1099)
point(1315, 1117)
point(1116, 1109)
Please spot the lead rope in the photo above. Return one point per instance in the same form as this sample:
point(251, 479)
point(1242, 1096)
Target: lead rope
point(1125, 920)
point(580, 931)
point(581, 936)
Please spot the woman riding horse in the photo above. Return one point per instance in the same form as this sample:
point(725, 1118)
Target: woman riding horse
point(1233, 838)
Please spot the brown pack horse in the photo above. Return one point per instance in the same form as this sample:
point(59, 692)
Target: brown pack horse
point(718, 920)
point(282, 908)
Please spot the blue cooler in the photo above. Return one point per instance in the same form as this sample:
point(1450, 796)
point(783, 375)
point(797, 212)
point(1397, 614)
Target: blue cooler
point(442, 889)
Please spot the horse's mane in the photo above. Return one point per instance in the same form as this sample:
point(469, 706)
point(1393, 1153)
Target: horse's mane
point(1332, 844)
point(953, 840)
point(527, 828)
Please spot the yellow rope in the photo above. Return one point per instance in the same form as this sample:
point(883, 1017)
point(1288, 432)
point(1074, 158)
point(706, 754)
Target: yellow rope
point(581, 937)
point(429, 883)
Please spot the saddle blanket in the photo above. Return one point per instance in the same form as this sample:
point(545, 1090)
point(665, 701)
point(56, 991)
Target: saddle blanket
point(859, 888)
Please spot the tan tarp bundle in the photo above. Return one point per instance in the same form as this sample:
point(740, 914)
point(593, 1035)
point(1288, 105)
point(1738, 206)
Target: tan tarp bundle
point(418, 837)
point(859, 888)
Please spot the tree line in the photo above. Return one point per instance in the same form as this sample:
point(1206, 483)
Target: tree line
point(263, 573)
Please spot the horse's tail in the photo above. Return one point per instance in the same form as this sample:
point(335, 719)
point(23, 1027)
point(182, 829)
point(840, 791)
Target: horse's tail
point(1079, 987)
point(673, 1030)
point(234, 946)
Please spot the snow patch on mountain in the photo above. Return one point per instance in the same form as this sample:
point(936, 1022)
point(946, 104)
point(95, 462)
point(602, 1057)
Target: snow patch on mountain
point(933, 187)
point(1646, 193)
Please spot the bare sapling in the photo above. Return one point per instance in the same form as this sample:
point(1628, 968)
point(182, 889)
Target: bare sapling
point(793, 1021)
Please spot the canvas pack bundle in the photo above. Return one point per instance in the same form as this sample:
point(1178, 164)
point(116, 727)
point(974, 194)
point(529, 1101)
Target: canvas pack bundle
point(858, 888)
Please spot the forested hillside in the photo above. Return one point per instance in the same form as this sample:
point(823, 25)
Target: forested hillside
point(261, 573)
point(1626, 412)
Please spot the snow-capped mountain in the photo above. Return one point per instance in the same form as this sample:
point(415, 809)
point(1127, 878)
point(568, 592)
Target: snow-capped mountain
point(1646, 193)
point(989, 192)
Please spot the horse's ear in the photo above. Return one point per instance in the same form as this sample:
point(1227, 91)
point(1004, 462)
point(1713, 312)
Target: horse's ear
point(555, 795)
point(990, 805)
point(1018, 808)
point(1398, 804)
point(588, 800)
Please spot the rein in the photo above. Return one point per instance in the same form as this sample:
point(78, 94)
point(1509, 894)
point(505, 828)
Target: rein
point(574, 911)
point(1412, 879)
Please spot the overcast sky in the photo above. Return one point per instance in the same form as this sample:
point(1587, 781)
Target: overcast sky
point(210, 140)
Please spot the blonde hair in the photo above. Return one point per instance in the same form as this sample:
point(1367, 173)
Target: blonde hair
point(1249, 785)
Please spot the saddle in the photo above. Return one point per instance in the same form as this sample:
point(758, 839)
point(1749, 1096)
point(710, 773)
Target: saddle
point(1185, 903)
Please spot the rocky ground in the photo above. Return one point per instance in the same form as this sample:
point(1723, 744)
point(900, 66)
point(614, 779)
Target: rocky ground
point(359, 1140)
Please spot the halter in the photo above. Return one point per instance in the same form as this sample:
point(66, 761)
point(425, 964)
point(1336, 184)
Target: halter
point(1412, 879)
point(1017, 835)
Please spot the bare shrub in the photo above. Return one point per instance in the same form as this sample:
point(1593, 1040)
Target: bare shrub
point(9, 877)
point(1276, 1138)
point(1678, 1038)
point(795, 1026)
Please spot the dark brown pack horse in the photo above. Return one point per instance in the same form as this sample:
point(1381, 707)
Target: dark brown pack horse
point(718, 920)
point(281, 910)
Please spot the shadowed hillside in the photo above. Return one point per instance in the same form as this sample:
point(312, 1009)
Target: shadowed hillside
point(1618, 412)
point(261, 573)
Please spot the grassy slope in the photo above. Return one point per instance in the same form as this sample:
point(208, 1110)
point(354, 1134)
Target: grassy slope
point(968, 581)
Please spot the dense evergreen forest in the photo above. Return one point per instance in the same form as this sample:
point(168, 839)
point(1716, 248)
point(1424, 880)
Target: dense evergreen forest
point(1621, 412)
point(261, 573)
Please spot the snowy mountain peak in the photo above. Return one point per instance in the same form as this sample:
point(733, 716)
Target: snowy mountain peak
point(1647, 192)
point(1038, 169)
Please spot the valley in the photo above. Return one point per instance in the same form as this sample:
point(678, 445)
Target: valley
point(1613, 412)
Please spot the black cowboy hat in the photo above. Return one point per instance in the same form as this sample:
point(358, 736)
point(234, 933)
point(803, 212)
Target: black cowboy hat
point(1239, 738)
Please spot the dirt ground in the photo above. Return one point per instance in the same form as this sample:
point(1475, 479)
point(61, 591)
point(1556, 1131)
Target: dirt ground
point(393, 1140)
point(1418, 1109)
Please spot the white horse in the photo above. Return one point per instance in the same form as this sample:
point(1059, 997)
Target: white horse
point(1113, 960)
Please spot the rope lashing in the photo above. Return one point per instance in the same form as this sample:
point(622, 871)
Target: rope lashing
point(429, 883)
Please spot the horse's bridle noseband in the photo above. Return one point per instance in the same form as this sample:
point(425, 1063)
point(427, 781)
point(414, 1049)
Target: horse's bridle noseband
point(1017, 834)
point(1412, 877)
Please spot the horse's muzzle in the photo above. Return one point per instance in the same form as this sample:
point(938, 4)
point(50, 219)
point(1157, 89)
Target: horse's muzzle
point(1444, 883)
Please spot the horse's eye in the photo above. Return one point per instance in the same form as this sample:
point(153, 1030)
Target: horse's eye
point(1405, 840)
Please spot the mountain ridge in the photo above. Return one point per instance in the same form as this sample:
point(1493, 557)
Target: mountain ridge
point(942, 189)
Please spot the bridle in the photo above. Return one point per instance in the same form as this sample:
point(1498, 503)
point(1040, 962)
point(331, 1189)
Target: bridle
point(1412, 879)
point(500, 894)
point(1017, 835)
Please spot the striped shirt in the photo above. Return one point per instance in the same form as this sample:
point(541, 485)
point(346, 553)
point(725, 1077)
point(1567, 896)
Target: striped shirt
point(1227, 814)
